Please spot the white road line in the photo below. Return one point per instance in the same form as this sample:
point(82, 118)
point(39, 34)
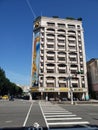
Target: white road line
point(27, 115)
point(76, 118)
point(55, 111)
point(43, 115)
point(68, 123)
point(59, 115)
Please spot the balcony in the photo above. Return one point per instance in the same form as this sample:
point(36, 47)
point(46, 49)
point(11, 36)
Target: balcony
point(73, 68)
point(50, 67)
point(72, 44)
point(50, 55)
point(61, 38)
point(74, 81)
point(71, 38)
point(72, 56)
point(41, 81)
point(62, 68)
point(50, 30)
point(71, 33)
point(42, 54)
point(50, 37)
point(41, 67)
point(72, 50)
point(74, 62)
point(62, 81)
point(41, 60)
point(50, 48)
point(61, 56)
point(50, 81)
point(83, 82)
point(61, 48)
point(81, 56)
point(50, 61)
point(50, 43)
point(42, 48)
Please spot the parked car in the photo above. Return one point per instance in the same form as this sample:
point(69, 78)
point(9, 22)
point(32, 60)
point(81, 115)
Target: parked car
point(5, 97)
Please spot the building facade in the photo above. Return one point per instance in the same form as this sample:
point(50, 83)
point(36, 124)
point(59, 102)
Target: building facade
point(58, 54)
point(92, 71)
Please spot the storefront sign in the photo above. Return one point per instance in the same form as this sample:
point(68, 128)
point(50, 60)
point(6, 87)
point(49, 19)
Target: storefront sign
point(49, 89)
point(77, 89)
point(34, 89)
point(63, 89)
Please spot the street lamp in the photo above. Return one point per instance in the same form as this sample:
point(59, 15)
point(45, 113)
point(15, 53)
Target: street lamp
point(71, 88)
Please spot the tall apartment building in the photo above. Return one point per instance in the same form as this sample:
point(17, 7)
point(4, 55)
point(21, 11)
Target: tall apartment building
point(92, 71)
point(58, 54)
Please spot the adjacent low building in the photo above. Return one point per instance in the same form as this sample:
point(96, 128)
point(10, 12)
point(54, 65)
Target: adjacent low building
point(92, 69)
point(58, 59)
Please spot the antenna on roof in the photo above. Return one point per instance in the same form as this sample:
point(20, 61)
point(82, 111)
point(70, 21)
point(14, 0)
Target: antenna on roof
point(29, 5)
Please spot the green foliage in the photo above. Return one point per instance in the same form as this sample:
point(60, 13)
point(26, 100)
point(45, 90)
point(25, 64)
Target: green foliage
point(80, 72)
point(7, 87)
point(70, 18)
point(79, 19)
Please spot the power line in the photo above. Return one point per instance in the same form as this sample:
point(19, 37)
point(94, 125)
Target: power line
point(28, 3)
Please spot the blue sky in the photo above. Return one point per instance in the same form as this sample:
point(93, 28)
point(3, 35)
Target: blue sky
point(16, 28)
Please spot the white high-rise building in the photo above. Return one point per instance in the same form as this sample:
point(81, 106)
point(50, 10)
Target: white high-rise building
point(58, 55)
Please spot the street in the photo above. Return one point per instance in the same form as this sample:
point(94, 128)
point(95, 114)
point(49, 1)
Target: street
point(24, 114)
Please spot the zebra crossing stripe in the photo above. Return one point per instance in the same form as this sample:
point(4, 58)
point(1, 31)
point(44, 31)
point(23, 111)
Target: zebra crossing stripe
point(48, 113)
point(76, 118)
point(67, 123)
point(55, 111)
point(58, 115)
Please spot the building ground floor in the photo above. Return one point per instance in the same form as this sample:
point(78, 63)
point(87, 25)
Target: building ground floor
point(60, 95)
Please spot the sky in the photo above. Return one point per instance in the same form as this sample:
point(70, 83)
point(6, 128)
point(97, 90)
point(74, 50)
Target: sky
point(16, 29)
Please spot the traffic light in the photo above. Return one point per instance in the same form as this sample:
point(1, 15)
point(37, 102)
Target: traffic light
point(80, 72)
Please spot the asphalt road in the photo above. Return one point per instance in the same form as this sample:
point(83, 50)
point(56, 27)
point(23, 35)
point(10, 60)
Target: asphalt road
point(22, 114)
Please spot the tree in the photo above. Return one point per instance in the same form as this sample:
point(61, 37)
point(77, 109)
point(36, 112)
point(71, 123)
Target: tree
point(7, 87)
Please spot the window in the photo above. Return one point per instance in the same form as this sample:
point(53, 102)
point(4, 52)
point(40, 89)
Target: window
point(50, 71)
point(61, 25)
point(50, 24)
point(50, 46)
point(71, 26)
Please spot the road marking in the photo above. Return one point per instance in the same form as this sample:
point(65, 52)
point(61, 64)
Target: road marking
point(68, 123)
point(27, 115)
point(8, 121)
point(43, 115)
point(76, 118)
point(55, 111)
point(56, 116)
point(59, 115)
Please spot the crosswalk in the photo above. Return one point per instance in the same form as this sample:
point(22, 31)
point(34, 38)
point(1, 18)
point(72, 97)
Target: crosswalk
point(57, 117)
